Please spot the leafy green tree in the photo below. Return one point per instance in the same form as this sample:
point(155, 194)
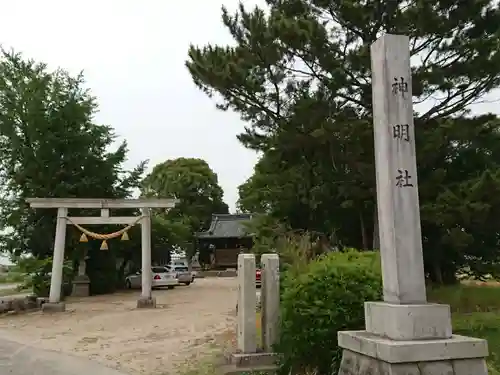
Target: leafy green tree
point(299, 74)
point(195, 185)
point(458, 180)
point(315, 53)
point(51, 147)
point(459, 163)
point(167, 234)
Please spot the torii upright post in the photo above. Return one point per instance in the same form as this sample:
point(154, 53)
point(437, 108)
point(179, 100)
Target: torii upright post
point(63, 204)
point(146, 297)
point(58, 258)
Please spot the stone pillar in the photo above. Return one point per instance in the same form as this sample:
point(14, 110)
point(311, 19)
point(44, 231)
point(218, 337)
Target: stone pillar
point(404, 334)
point(56, 279)
point(270, 300)
point(81, 283)
point(247, 302)
point(146, 299)
point(82, 267)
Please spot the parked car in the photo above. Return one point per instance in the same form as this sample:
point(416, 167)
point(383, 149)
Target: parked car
point(181, 273)
point(161, 278)
point(182, 262)
point(258, 278)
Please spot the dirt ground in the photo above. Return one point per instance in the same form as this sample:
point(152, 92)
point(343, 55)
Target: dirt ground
point(187, 325)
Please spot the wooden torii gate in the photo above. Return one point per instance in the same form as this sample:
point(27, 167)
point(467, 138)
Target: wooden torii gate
point(63, 204)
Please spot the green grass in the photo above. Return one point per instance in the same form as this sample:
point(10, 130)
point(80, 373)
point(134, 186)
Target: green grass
point(204, 367)
point(476, 313)
point(12, 277)
point(259, 328)
point(14, 291)
point(484, 325)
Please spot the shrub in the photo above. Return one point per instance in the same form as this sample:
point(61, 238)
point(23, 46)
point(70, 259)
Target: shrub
point(327, 297)
point(39, 275)
point(296, 248)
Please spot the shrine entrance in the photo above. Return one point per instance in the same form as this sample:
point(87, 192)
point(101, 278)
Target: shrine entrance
point(63, 204)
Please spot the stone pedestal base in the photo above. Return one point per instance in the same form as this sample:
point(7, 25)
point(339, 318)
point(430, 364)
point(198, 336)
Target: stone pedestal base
point(250, 363)
point(50, 307)
point(410, 340)
point(368, 354)
point(359, 364)
point(81, 286)
point(408, 322)
point(146, 303)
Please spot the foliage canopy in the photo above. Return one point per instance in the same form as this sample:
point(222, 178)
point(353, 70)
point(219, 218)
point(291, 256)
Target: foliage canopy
point(51, 147)
point(299, 74)
point(196, 186)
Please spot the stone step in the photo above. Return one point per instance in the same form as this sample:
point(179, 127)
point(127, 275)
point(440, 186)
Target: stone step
point(232, 369)
point(253, 359)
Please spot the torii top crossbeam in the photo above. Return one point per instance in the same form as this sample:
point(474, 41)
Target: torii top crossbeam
point(100, 203)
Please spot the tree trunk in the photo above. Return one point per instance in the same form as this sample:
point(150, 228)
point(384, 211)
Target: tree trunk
point(450, 275)
point(376, 237)
point(442, 273)
point(436, 275)
point(121, 270)
point(363, 231)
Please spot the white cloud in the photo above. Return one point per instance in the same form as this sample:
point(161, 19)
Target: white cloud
point(133, 56)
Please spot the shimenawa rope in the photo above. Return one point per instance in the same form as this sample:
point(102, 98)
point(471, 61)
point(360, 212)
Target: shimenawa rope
point(107, 236)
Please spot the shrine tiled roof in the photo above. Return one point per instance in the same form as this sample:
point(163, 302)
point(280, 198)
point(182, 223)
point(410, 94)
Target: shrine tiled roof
point(227, 226)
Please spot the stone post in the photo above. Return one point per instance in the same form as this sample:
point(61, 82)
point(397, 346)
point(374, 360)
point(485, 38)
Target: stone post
point(247, 302)
point(404, 334)
point(270, 300)
point(81, 283)
point(82, 267)
point(56, 279)
point(395, 163)
point(146, 299)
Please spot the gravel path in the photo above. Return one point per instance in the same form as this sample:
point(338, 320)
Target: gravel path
point(8, 286)
point(19, 359)
point(109, 329)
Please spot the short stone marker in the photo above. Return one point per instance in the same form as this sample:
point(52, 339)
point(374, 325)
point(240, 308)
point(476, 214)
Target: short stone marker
point(270, 300)
point(249, 356)
point(81, 283)
point(404, 334)
point(247, 300)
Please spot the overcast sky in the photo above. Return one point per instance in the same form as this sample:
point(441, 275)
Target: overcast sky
point(133, 54)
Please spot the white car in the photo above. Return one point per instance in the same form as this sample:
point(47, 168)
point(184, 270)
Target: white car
point(161, 278)
point(181, 273)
